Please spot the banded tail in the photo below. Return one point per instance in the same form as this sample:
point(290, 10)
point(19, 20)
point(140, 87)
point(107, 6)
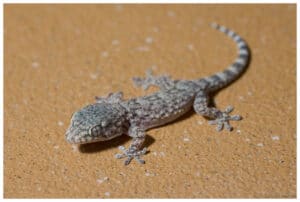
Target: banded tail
point(221, 79)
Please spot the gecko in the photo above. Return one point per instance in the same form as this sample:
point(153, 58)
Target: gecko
point(111, 116)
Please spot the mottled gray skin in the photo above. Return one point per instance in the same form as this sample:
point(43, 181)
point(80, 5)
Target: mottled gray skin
point(112, 116)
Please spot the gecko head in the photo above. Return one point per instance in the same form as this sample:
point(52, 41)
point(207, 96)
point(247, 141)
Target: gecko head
point(96, 122)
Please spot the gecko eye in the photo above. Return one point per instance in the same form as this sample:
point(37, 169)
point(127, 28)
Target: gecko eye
point(95, 131)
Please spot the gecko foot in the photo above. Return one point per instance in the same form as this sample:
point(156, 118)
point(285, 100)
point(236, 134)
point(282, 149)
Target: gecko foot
point(144, 82)
point(131, 154)
point(163, 82)
point(223, 119)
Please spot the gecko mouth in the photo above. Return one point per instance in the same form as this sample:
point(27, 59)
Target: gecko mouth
point(73, 137)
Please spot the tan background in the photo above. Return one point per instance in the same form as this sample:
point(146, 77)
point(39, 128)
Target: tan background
point(58, 57)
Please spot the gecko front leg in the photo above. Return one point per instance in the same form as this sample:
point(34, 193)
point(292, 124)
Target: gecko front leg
point(134, 150)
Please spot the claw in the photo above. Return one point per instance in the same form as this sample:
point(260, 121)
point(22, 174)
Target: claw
point(229, 109)
point(219, 127)
point(122, 148)
point(119, 156)
point(213, 122)
point(138, 159)
point(128, 160)
point(236, 118)
point(228, 126)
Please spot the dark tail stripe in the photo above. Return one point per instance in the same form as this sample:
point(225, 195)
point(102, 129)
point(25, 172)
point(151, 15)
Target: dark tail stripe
point(225, 77)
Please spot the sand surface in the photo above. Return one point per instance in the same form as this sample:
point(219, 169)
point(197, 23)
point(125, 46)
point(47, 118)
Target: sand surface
point(59, 57)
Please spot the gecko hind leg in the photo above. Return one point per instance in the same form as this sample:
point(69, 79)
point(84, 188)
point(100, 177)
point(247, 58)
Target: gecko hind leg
point(111, 98)
point(163, 82)
point(220, 118)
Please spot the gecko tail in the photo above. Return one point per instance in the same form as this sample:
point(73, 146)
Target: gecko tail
point(233, 71)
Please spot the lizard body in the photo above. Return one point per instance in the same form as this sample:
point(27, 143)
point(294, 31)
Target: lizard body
point(112, 116)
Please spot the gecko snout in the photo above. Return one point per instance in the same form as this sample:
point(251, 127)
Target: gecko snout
point(68, 136)
point(74, 136)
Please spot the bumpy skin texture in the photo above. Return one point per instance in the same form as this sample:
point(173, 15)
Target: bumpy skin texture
point(112, 116)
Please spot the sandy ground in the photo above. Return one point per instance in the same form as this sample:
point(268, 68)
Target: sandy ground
point(58, 57)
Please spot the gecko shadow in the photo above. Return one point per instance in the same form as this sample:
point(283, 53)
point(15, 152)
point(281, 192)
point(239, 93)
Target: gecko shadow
point(113, 143)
